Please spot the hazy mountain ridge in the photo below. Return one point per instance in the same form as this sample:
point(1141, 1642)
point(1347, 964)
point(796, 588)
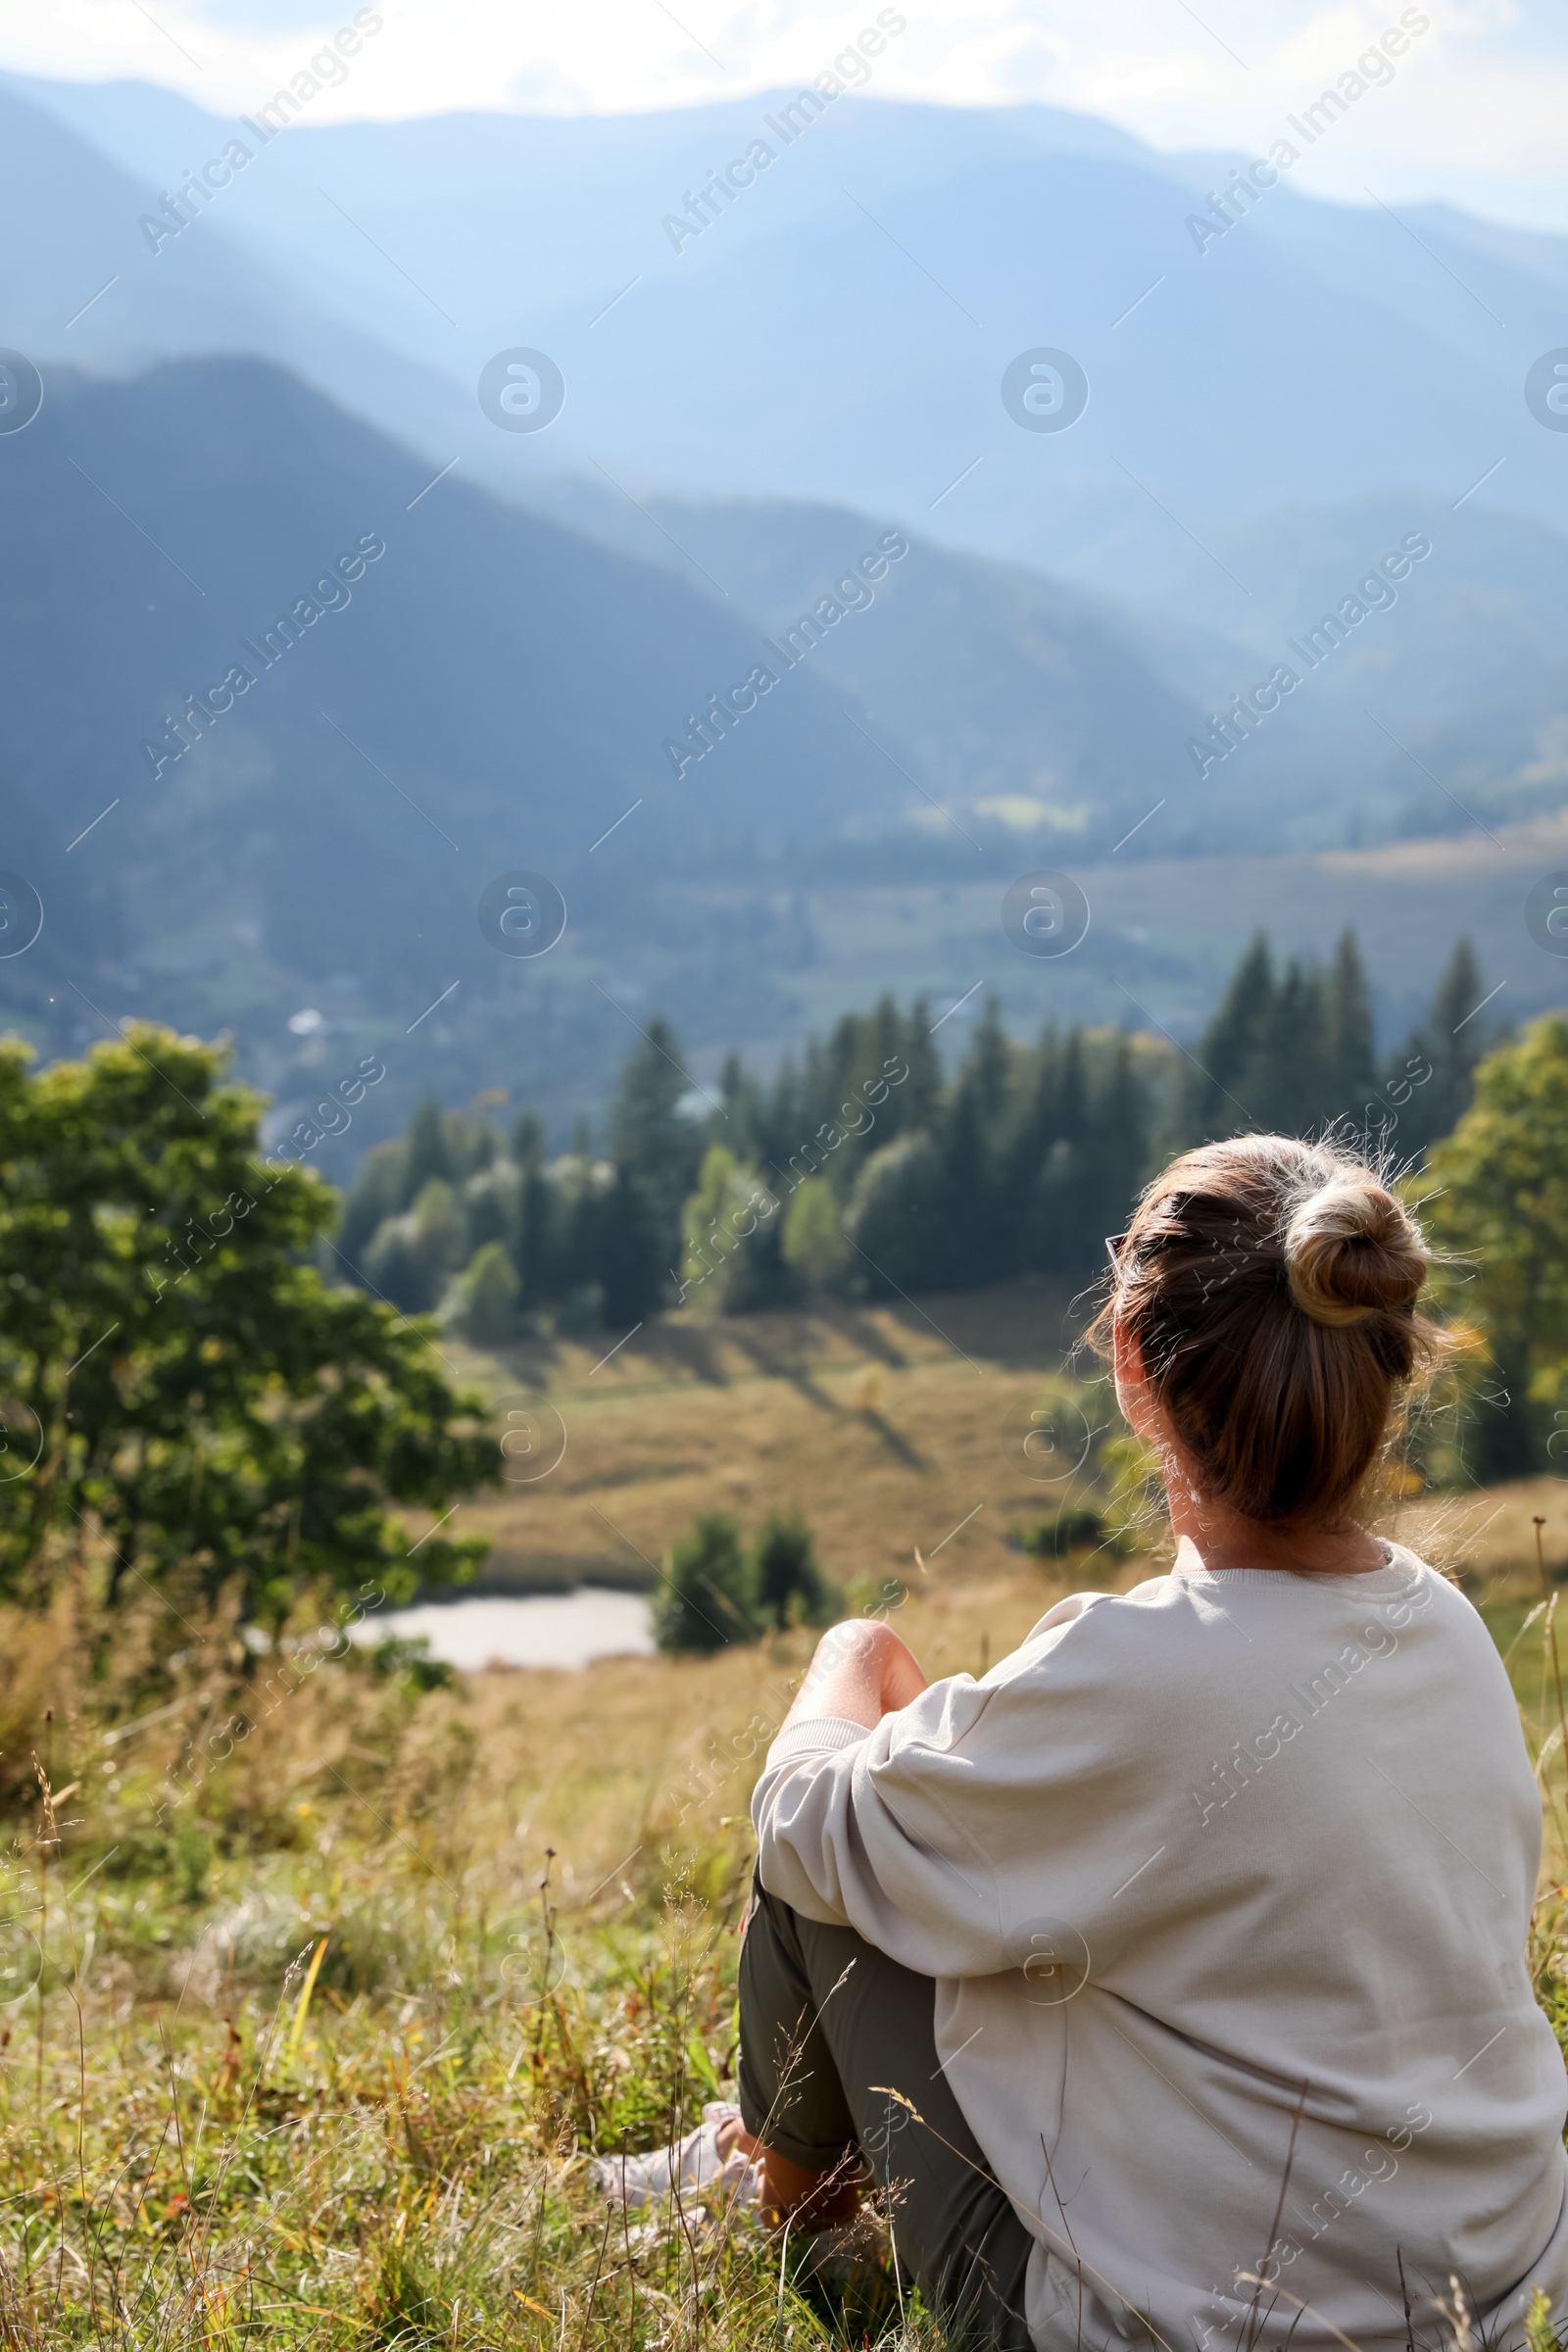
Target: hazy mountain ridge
point(819, 368)
point(1019, 227)
point(493, 696)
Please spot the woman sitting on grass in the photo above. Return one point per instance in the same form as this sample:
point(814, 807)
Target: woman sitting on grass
point(1172, 1976)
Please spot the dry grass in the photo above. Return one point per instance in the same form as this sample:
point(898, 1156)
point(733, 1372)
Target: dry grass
point(326, 2032)
point(889, 1425)
point(335, 2001)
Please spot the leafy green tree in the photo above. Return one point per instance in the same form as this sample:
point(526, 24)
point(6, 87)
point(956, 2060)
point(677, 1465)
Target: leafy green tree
point(187, 1386)
point(378, 1193)
point(893, 1214)
point(720, 1220)
point(490, 1206)
point(706, 1601)
point(813, 1243)
point(487, 1299)
point(412, 1256)
point(1500, 1209)
point(789, 1584)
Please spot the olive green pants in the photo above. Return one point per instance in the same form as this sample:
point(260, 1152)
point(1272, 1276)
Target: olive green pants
point(829, 2026)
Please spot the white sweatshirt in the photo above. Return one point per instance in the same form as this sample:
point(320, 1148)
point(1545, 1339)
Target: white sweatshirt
point(1191, 1860)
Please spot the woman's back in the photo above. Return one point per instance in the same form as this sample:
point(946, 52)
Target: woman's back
point(1226, 1884)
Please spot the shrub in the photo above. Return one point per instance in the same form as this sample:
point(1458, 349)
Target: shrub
point(706, 1599)
point(410, 1656)
point(789, 1583)
point(1074, 1528)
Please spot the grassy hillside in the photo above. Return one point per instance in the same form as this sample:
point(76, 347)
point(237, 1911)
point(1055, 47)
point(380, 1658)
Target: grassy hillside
point(888, 1425)
point(317, 1991)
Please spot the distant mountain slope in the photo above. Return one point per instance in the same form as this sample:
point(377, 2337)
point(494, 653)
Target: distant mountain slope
point(1015, 686)
point(1030, 706)
point(1466, 666)
point(85, 287)
point(838, 331)
point(490, 693)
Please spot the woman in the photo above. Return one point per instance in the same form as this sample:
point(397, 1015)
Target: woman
point(1173, 1974)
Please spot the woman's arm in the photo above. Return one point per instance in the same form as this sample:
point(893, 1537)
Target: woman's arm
point(862, 1672)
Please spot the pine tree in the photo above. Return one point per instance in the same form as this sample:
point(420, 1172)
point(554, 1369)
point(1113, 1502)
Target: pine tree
point(987, 1070)
point(744, 1120)
point(884, 1052)
point(1072, 1100)
point(1348, 1057)
point(1120, 1145)
point(528, 1140)
point(649, 1137)
point(1036, 1113)
point(625, 1255)
point(1228, 1050)
point(966, 1240)
point(538, 1249)
point(922, 1088)
point(1283, 1083)
point(426, 1155)
point(1032, 1123)
point(1448, 1044)
point(1060, 1204)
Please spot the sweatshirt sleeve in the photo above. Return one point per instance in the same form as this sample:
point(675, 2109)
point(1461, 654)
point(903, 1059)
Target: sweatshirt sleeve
point(854, 1828)
point(944, 1836)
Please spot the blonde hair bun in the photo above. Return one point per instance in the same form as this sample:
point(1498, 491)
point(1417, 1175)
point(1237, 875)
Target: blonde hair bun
point(1351, 1250)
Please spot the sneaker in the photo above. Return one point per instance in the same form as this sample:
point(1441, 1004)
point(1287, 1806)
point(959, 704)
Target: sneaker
point(694, 2165)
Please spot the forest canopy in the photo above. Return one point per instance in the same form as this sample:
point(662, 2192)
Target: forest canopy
point(867, 1169)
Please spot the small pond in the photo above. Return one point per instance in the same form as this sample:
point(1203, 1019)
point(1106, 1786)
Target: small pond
point(540, 1629)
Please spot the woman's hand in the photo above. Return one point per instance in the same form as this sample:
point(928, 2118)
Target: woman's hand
point(861, 1671)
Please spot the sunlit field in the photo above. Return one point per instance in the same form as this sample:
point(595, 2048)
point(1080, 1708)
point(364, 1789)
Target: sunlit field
point(322, 1988)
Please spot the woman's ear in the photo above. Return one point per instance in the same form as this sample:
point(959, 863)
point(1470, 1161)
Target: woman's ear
point(1140, 1407)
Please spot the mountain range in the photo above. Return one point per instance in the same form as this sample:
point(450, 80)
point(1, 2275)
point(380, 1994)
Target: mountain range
point(839, 329)
point(783, 444)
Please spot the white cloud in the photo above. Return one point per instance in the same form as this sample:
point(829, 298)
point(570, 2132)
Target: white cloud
point(1475, 113)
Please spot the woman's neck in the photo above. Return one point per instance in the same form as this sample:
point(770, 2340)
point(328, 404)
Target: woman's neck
point(1223, 1538)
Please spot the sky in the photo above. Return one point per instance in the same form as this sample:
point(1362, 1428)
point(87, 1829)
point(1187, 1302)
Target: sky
point(1473, 113)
